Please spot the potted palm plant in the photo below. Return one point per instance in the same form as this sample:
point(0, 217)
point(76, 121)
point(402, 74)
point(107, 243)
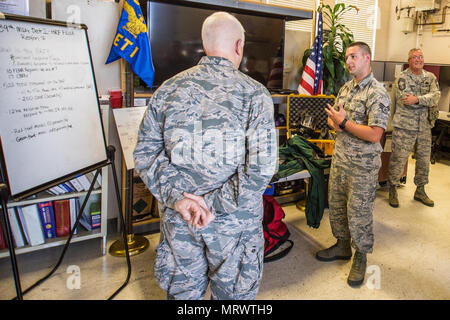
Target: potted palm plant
point(336, 38)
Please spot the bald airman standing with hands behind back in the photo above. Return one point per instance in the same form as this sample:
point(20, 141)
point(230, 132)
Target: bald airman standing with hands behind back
point(207, 150)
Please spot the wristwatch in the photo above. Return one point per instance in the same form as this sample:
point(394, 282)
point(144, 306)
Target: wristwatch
point(342, 124)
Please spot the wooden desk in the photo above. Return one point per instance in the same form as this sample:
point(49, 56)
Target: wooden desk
point(383, 173)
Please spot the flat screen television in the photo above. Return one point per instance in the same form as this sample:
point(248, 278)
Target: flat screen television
point(175, 40)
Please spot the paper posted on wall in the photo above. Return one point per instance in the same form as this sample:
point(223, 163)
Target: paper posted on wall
point(20, 7)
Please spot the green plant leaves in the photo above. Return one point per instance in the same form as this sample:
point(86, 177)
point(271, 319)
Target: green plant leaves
point(335, 42)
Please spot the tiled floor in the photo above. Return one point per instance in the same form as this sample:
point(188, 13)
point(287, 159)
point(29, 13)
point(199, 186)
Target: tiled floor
point(411, 258)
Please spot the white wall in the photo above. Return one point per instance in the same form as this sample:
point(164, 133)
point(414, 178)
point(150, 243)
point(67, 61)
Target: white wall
point(101, 18)
point(394, 44)
point(37, 8)
point(382, 32)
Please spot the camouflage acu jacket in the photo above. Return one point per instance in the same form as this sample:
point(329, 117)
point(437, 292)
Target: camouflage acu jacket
point(209, 131)
point(426, 88)
point(366, 103)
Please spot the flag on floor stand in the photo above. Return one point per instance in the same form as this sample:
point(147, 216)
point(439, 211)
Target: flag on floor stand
point(312, 82)
point(131, 42)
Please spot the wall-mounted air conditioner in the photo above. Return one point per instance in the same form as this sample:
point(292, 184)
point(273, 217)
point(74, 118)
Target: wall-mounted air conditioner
point(427, 5)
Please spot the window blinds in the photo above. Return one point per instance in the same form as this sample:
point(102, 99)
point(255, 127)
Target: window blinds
point(362, 24)
point(300, 25)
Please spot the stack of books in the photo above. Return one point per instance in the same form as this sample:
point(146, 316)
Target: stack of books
point(78, 184)
point(36, 223)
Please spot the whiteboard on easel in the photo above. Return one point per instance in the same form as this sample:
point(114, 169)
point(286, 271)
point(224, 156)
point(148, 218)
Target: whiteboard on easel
point(50, 123)
point(128, 121)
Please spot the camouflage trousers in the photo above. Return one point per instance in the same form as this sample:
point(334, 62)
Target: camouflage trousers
point(352, 193)
point(403, 142)
point(229, 258)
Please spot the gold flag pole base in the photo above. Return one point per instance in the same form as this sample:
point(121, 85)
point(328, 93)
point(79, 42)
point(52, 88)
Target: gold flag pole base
point(301, 205)
point(136, 245)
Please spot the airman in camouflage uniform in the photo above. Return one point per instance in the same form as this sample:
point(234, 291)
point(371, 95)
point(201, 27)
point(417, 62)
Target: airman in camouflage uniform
point(416, 91)
point(208, 137)
point(365, 105)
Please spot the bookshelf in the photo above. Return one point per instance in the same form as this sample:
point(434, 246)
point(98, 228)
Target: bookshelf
point(82, 235)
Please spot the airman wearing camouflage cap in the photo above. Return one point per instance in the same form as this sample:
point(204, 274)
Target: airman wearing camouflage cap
point(360, 117)
point(416, 91)
point(207, 150)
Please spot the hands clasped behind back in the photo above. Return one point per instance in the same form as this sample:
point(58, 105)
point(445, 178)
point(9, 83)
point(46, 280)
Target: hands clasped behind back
point(194, 211)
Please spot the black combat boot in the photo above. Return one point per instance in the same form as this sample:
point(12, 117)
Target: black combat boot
point(358, 270)
point(339, 251)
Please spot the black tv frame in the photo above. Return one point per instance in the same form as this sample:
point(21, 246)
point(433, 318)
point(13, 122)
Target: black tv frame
point(232, 6)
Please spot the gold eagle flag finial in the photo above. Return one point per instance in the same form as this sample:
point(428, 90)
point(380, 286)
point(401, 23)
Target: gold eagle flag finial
point(135, 25)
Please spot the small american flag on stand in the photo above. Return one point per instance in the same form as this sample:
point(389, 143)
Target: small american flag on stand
point(312, 83)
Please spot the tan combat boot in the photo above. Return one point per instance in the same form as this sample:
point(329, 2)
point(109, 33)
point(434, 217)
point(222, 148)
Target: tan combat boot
point(339, 251)
point(393, 198)
point(421, 196)
point(358, 270)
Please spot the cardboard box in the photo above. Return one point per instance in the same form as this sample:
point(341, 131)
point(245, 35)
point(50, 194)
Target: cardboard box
point(144, 204)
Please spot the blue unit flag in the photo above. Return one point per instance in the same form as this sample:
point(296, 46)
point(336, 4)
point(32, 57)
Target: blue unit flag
point(131, 42)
